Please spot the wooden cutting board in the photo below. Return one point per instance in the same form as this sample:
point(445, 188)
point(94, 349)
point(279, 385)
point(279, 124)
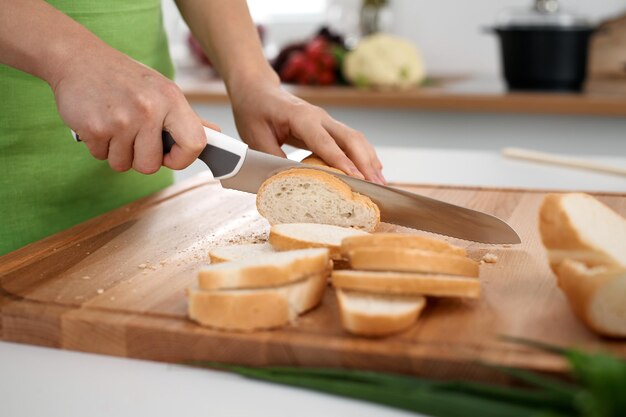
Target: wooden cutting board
point(115, 285)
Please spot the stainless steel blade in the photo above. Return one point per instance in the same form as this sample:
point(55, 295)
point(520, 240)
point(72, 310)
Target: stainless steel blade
point(396, 206)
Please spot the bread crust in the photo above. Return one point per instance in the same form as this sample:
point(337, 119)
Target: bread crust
point(559, 233)
point(285, 243)
point(331, 181)
point(400, 240)
point(373, 324)
point(317, 161)
point(401, 283)
point(411, 260)
point(264, 308)
point(581, 285)
point(259, 276)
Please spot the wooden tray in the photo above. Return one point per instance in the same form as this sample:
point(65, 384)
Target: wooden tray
point(115, 285)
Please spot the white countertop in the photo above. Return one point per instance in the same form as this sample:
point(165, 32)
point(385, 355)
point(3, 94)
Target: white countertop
point(38, 381)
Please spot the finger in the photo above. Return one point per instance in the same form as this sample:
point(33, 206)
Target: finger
point(296, 143)
point(263, 139)
point(186, 129)
point(148, 148)
point(98, 148)
point(121, 153)
point(322, 144)
point(210, 125)
point(357, 148)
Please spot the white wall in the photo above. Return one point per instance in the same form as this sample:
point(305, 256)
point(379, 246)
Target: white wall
point(449, 32)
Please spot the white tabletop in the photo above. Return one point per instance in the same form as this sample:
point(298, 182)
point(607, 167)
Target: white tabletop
point(39, 381)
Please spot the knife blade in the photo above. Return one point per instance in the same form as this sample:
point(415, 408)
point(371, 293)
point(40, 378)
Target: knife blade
point(244, 169)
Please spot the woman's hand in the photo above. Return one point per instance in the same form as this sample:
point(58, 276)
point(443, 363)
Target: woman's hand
point(119, 107)
point(268, 116)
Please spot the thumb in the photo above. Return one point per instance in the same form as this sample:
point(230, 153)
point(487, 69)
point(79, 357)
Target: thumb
point(186, 129)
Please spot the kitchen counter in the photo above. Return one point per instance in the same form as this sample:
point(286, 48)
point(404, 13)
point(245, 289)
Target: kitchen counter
point(39, 381)
point(462, 94)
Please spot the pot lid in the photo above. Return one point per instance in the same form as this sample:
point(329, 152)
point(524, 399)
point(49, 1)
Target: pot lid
point(542, 13)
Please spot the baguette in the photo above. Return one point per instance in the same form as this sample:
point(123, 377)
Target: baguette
point(235, 252)
point(411, 260)
point(256, 309)
point(577, 226)
point(289, 236)
point(317, 161)
point(377, 315)
point(400, 240)
point(313, 196)
point(597, 296)
point(264, 270)
point(403, 283)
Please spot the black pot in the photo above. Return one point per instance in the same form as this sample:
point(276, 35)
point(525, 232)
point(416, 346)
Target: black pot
point(544, 57)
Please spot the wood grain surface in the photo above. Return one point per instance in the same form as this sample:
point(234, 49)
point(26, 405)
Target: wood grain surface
point(115, 285)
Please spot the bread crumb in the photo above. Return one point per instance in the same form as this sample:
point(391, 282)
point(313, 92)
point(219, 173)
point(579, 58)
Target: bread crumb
point(163, 262)
point(86, 277)
point(490, 258)
point(99, 290)
point(142, 266)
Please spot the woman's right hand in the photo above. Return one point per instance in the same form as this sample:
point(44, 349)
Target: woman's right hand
point(119, 107)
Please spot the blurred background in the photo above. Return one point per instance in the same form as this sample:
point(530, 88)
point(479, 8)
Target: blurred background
point(448, 75)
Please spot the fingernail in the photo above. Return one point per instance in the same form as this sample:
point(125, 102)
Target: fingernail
point(382, 178)
point(356, 173)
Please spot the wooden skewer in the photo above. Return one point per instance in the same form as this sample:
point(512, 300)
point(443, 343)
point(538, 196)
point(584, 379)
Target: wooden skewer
point(568, 161)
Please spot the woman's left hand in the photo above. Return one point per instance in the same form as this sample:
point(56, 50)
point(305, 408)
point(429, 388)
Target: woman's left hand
point(268, 116)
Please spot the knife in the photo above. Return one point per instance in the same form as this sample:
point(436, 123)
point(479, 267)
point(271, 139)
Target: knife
point(244, 169)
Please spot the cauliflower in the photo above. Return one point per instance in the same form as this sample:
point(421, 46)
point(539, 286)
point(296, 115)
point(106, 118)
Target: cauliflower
point(383, 60)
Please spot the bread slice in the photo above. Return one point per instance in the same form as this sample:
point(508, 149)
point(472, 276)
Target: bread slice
point(577, 226)
point(313, 196)
point(411, 260)
point(596, 294)
point(400, 240)
point(377, 315)
point(235, 252)
point(256, 309)
point(288, 236)
point(264, 270)
point(407, 283)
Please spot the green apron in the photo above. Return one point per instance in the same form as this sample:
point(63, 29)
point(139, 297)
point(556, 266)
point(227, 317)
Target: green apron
point(48, 182)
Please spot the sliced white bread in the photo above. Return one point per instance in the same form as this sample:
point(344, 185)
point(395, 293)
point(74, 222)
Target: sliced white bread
point(407, 283)
point(577, 226)
point(411, 260)
point(256, 309)
point(377, 315)
point(235, 252)
point(289, 236)
point(400, 240)
point(313, 196)
point(596, 294)
point(264, 270)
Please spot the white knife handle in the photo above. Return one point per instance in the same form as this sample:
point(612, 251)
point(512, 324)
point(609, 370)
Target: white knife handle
point(223, 155)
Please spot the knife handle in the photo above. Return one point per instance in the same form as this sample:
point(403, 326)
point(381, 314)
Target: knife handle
point(223, 155)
